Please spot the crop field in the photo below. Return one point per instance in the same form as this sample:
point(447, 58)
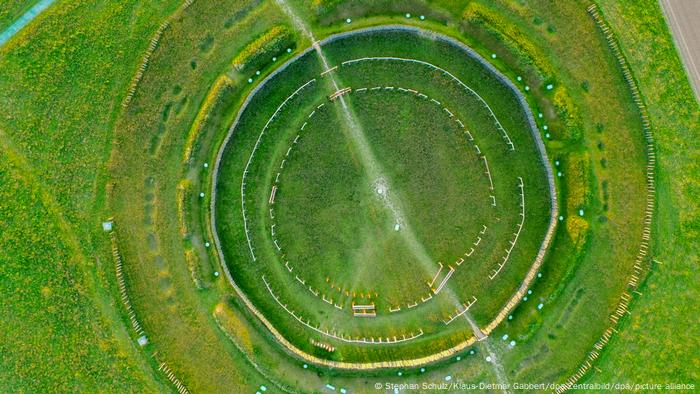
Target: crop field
point(332, 196)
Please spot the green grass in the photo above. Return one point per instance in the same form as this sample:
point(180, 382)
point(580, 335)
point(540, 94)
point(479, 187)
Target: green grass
point(61, 139)
point(153, 133)
point(434, 173)
point(658, 326)
point(57, 330)
point(63, 81)
point(10, 10)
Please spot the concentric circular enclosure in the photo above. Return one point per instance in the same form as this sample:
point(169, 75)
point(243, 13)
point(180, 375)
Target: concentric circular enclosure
point(383, 202)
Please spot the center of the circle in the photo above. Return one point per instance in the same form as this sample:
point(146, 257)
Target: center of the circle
point(331, 227)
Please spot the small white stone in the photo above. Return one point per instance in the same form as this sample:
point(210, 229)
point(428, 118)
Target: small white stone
point(519, 78)
point(400, 373)
point(448, 378)
point(539, 115)
point(561, 218)
point(408, 15)
point(422, 370)
point(493, 56)
point(488, 359)
point(348, 20)
point(512, 343)
point(459, 358)
point(274, 59)
point(545, 127)
point(580, 212)
point(550, 87)
point(547, 135)
point(529, 292)
point(539, 274)
point(397, 227)
point(527, 88)
point(206, 244)
point(201, 194)
point(540, 306)
point(289, 50)
point(505, 337)
point(250, 80)
point(216, 273)
point(257, 72)
point(559, 174)
point(422, 17)
point(206, 165)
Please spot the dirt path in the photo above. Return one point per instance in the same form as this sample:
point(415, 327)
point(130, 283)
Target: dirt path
point(24, 20)
point(682, 17)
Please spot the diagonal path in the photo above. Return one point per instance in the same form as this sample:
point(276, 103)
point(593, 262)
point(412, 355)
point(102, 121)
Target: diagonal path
point(372, 167)
point(24, 20)
point(383, 188)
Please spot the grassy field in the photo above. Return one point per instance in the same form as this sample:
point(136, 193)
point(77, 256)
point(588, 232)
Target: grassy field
point(437, 191)
point(657, 332)
point(73, 156)
point(49, 300)
point(62, 325)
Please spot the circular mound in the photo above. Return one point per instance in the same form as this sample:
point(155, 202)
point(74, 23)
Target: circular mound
point(383, 199)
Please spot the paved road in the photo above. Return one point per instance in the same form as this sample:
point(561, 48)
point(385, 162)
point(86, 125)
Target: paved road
point(23, 20)
point(683, 17)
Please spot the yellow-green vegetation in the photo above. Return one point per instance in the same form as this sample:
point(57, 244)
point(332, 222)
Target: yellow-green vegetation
point(272, 42)
point(222, 85)
point(497, 24)
point(57, 329)
point(578, 196)
point(10, 10)
point(657, 327)
point(117, 112)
